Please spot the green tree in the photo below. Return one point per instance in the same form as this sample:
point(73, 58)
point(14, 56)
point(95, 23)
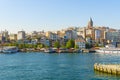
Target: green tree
point(97, 45)
point(46, 46)
point(63, 46)
point(21, 46)
point(40, 46)
point(70, 44)
point(34, 46)
point(76, 47)
point(57, 44)
point(88, 45)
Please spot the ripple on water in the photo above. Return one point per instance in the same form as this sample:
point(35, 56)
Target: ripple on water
point(40, 66)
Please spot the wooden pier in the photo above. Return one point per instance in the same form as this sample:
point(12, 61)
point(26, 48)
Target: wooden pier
point(108, 68)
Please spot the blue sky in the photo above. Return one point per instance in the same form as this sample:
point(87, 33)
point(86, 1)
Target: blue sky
point(31, 15)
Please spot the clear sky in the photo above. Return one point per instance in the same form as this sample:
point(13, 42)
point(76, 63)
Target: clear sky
point(38, 15)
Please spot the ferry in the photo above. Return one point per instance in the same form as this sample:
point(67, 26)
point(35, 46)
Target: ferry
point(108, 50)
point(10, 49)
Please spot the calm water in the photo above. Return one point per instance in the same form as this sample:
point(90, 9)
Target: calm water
point(40, 66)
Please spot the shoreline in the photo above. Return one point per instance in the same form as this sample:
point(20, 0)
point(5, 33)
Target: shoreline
point(58, 51)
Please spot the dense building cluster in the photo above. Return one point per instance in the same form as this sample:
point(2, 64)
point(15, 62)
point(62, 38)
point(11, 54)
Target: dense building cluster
point(90, 35)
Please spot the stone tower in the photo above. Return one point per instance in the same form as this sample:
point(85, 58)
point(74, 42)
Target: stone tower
point(90, 23)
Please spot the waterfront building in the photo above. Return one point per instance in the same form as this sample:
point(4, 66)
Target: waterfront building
point(51, 36)
point(61, 34)
point(70, 34)
point(13, 37)
point(97, 35)
point(45, 41)
point(48, 34)
point(55, 37)
point(21, 35)
point(62, 37)
point(88, 40)
point(75, 36)
point(2, 39)
point(81, 32)
point(80, 42)
point(34, 41)
point(41, 33)
point(103, 30)
point(113, 36)
point(34, 34)
point(4, 36)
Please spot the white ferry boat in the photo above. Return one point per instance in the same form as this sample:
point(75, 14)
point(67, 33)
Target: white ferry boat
point(108, 50)
point(11, 49)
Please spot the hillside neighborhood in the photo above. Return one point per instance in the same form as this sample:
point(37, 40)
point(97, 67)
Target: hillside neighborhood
point(73, 37)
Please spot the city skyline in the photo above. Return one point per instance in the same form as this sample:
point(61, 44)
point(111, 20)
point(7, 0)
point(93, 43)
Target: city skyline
point(49, 15)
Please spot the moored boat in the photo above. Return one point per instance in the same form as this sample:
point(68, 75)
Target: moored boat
point(49, 51)
point(10, 49)
point(108, 50)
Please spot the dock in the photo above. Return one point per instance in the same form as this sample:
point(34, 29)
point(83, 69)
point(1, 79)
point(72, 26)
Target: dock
point(108, 68)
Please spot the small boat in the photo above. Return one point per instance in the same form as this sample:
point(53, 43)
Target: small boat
point(49, 51)
point(10, 49)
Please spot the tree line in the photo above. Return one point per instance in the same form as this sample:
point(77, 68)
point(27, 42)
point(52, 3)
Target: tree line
point(69, 44)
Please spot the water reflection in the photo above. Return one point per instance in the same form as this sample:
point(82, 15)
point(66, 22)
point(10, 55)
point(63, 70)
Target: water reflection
point(102, 74)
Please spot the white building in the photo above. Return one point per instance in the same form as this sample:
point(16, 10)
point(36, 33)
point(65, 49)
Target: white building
point(52, 36)
point(45, 41)
point(97, 35)
point(13, 36)
point(81, 32)
point(113, 36)
point(21, 35)
point(4, 35)
point(71, 34)
point(80, 42)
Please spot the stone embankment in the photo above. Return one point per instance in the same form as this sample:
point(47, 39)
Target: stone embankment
point(108, 68)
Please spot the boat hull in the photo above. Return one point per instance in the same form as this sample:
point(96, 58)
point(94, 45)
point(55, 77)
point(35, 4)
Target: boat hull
point(108, 51)
point(10, 50)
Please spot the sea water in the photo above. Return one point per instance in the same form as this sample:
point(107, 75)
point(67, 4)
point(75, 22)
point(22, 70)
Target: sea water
point(65, 66)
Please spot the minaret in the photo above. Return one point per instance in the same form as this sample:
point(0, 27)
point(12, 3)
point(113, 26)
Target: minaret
point(90, 23)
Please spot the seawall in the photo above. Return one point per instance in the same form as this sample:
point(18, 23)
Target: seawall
point(108, 68)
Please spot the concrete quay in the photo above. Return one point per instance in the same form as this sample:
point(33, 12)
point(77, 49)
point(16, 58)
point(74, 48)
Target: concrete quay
point(108, 68)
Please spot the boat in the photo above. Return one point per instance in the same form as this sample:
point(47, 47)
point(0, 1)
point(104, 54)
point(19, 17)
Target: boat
point(108, 50)
point(49, 50)
point(10, 49)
